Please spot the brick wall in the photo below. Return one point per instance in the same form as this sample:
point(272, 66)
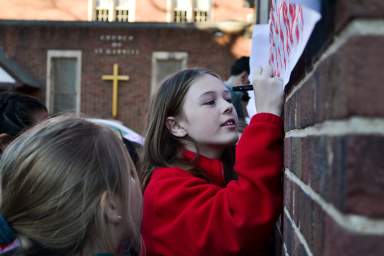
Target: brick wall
point(334, 141)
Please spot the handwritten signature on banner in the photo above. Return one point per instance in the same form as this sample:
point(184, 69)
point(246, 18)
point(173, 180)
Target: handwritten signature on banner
point(285, 31)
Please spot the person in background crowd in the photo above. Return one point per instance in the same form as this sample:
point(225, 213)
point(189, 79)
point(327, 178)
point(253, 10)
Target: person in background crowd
point(239, 76)
point(18, 112)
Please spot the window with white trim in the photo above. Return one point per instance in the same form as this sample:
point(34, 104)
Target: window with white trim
point(201, 10)
point(180, 11)
point(164, 64)
point(103, 9)
point(63, 81)
point(112, 10)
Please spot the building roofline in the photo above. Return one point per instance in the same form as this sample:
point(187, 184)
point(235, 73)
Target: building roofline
point(98, 24)
point(17, 72)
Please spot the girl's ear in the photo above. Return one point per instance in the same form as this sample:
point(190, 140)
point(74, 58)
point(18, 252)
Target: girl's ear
point(175, 127)
point(112, 207)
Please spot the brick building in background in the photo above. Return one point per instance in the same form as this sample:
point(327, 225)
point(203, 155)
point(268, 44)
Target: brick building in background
point(334, 137)
point(60, 50)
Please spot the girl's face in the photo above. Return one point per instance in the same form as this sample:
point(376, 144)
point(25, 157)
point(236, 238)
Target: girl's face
point(208, 116)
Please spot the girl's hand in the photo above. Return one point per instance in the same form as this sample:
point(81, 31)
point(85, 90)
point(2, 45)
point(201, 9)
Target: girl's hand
point(269, 91)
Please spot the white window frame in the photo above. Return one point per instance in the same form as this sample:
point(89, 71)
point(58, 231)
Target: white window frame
point(156, 56)
point(170, 9)
point(63, 54)
point(131, 7)
point(112, 7)
point(209, 11)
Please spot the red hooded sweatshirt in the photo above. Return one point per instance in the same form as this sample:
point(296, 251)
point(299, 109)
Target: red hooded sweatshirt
point(187, 215)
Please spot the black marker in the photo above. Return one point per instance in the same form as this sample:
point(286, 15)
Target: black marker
point(241, 88)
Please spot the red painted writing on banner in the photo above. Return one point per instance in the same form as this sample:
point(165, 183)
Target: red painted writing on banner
point(286, 26)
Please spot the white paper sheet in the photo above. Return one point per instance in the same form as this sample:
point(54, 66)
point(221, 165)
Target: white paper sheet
point(281, 42)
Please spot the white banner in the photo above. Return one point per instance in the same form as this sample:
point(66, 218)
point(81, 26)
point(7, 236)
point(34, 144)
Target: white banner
point(290, 26)
point(281, 42)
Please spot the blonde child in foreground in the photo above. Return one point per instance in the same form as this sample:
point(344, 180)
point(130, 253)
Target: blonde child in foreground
point(69, 187)
point(200, 198)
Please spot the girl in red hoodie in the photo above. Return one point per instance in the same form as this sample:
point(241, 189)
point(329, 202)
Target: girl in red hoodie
point(200, 198)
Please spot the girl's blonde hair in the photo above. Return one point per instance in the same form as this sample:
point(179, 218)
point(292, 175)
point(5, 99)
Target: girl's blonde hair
point(161, 148)
point(53, 177)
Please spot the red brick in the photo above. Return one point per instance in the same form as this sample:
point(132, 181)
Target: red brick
point(322, 233)
point(293, 244)
point(305, 215)
point(347, 10)
point(347, 171)
point(342, 86)
point(288, 234)
point(365, 175)
point(339, 241)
